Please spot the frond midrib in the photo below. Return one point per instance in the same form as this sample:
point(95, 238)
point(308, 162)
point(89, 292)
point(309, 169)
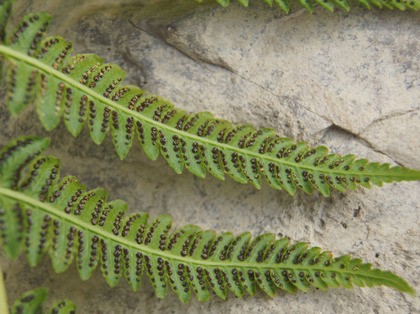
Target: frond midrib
point(14, 54)
point(20, 197)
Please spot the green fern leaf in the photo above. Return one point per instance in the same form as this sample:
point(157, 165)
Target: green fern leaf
point(32, 302)
point(65, 220)
point(85, 90)
point(326, 4)
point(63, 307)
point(5, 14)
point(307, 4)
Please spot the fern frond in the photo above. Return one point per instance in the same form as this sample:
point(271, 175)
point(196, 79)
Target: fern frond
point(84, 89)
point(32, 302)
point(329, 5)
point(68, 222)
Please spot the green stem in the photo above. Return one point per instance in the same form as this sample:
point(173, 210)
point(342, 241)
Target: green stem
point(4, 308)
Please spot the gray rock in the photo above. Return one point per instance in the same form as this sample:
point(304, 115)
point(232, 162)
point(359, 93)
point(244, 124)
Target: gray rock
point(349, 81)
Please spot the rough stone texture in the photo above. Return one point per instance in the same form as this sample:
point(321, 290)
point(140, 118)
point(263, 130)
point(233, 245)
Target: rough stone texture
point(349, 81)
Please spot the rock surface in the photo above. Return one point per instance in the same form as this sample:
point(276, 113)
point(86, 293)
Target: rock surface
point(349, 81)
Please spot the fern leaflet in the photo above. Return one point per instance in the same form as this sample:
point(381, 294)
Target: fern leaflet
point(32, 302)
point(329, 5)
point(62, 218)
point(84, 89)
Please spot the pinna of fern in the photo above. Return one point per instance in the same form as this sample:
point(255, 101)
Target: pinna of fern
point(32, 302)
point(82, 89)
point(42, 214)
point(329, 5)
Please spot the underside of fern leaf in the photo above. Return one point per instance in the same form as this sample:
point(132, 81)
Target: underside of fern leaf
point(33, 302)
point(82, 89)
point(329, 5)
point(42, 214)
